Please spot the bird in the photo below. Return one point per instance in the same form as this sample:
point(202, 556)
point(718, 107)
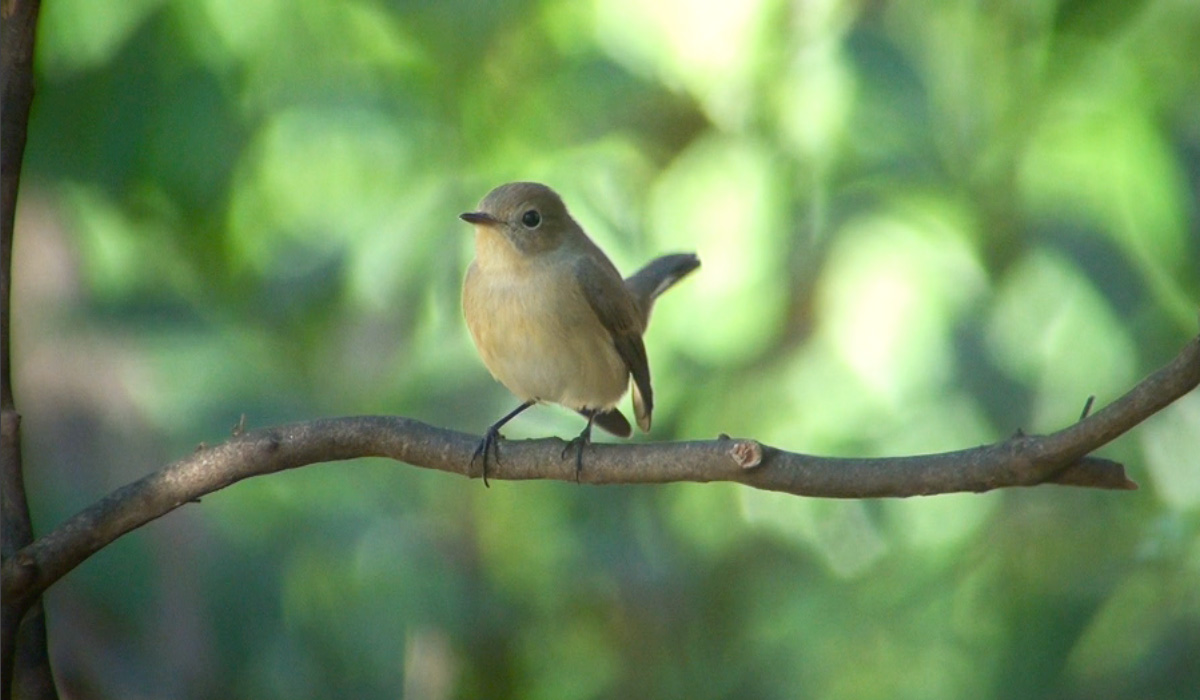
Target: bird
point(551, 317)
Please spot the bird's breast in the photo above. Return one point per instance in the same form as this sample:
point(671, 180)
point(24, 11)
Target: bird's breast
point(539, 337)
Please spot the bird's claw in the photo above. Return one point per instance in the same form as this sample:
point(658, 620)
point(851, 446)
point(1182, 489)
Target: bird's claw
point(489, 444)
point(579, 442)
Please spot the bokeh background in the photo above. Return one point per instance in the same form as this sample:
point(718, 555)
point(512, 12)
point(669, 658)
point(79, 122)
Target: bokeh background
point(924, 226)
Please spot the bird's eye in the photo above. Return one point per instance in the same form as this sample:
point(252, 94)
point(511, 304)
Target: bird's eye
point(531, 218)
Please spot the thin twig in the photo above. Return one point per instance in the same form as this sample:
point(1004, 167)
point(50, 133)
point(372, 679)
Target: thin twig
point(1087, 407)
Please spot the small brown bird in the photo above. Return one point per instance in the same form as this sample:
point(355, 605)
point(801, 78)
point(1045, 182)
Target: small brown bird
point(552, 318)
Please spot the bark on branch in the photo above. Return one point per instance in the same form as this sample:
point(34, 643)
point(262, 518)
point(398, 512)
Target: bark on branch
point(1023, 460)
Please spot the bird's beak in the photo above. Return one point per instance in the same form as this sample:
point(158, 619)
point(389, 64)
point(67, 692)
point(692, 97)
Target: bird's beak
point(479, 218)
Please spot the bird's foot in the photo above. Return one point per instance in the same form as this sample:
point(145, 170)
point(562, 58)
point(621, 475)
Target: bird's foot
point(491, 439)
point(582, 440)
point(489, 445)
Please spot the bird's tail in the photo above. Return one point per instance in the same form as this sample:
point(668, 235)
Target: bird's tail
point(656, 277)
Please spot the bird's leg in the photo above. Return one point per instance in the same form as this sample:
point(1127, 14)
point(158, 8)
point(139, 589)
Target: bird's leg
point(491, 439)
point(581, 441)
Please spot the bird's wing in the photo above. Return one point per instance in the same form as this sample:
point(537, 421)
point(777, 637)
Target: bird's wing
point(614, 306)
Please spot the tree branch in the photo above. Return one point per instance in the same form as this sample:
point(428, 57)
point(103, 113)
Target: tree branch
point(19, 641)
point(1023, 460)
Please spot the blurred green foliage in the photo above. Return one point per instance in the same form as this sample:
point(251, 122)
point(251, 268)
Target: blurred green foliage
point(924, 225)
